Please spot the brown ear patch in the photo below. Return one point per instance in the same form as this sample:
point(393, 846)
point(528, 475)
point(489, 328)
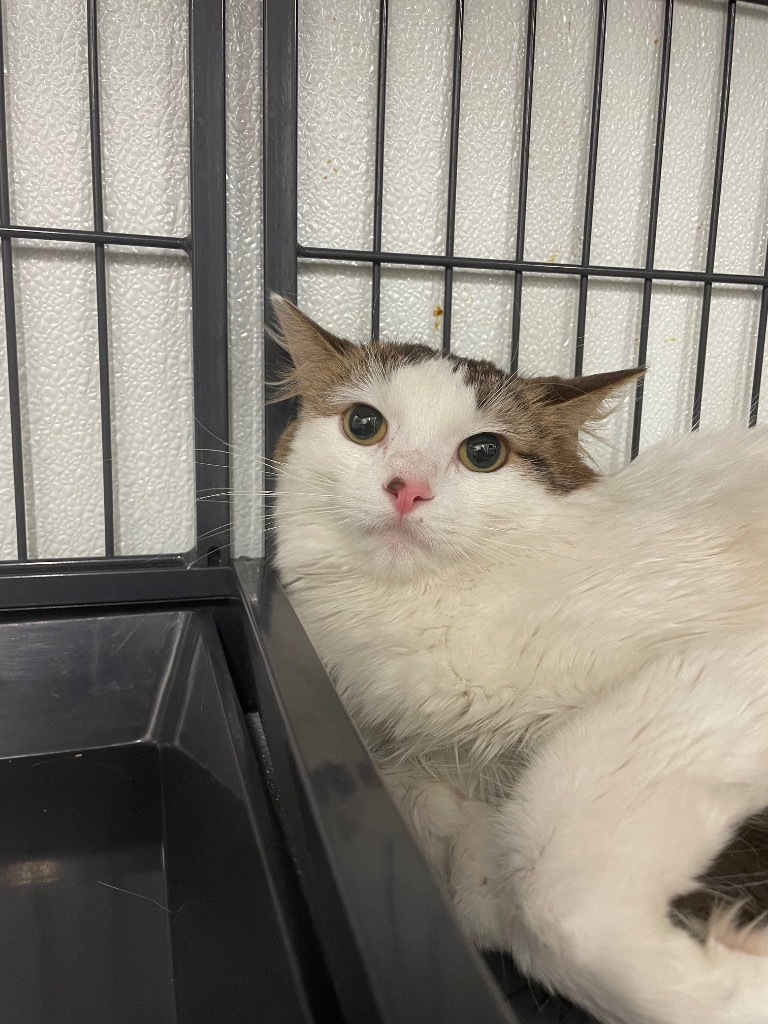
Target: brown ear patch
point(544, 417)
point(582, 400)
point(568, 407)
point(312, 349)
point(558, 390)
point(323, 363)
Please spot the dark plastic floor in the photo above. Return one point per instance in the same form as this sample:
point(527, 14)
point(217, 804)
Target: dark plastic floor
point(131, 879)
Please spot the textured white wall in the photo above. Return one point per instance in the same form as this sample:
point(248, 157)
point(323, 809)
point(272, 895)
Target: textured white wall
point(144, 82)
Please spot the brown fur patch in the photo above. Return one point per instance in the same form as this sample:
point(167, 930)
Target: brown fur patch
point(322, 363)
point(540, 417)
point(315, 389)
point(738, 876)
point(544, 416)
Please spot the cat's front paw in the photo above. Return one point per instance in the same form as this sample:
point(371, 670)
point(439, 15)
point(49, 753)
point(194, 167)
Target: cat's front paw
point(467, 828)
point(439, 809)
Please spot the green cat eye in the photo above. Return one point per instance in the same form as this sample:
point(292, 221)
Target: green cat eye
point(483, 453)
point(363, 424)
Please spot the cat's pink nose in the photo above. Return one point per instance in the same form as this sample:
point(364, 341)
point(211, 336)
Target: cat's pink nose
point(405, 494)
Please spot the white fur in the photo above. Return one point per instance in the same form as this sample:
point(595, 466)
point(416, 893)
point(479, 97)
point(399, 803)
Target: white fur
point(591, 667)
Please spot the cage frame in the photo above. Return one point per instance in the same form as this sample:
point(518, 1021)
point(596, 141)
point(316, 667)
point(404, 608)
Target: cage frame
point(204, 572)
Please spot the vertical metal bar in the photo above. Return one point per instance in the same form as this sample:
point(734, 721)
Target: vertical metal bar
point(522, 194)
point(725, 92)
point(280, 153)
point(9, 299)
point(378, 187)
point(653, 218)
point(757, 376)
point(280, 186)
point(589, 203)
point(101, 275)
point(453, 161)
point(209, 276)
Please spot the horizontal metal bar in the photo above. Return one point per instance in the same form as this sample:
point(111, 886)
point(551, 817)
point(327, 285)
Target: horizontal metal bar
point(98, 563)
point(106, 237)
point(66, 589)
point(569, 269)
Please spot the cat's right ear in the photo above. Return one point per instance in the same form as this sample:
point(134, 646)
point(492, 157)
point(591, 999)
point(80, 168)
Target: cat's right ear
point(309, 345)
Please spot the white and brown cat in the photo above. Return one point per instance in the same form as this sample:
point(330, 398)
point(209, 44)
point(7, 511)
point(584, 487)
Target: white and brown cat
point(564, 677)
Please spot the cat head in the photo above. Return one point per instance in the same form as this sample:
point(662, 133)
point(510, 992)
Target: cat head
point(419, 461)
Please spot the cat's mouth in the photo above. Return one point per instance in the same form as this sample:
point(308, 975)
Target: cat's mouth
point(399, 534)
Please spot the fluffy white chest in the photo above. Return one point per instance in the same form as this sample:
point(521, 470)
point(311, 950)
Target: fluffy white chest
point(464, 661)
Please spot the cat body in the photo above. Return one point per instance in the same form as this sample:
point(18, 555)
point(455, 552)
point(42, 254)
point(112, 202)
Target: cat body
point(575, 608)
point(564, 678)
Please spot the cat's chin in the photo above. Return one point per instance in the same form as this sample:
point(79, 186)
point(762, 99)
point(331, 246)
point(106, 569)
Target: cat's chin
point(399, 551)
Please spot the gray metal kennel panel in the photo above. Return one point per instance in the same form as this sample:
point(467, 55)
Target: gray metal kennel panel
point(30, 581)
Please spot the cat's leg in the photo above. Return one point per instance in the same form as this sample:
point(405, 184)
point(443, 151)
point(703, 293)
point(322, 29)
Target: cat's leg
point(404, 782)
point(618, 814)
point(469, 832)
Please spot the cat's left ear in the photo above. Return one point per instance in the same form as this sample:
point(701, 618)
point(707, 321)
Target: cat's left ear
point(582, 399)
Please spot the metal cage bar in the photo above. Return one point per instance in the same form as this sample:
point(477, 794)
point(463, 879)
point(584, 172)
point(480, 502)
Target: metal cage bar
point(280, 188)
point(97, 188)
point(522, 187)
point(589, 202)
point(653, 218)
point(725, 92)
point(103, 237)
point(209, 277)
point(411, 259)
point(754, 403)
point(9, 299)
point(378, 185)
point(453, 166)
